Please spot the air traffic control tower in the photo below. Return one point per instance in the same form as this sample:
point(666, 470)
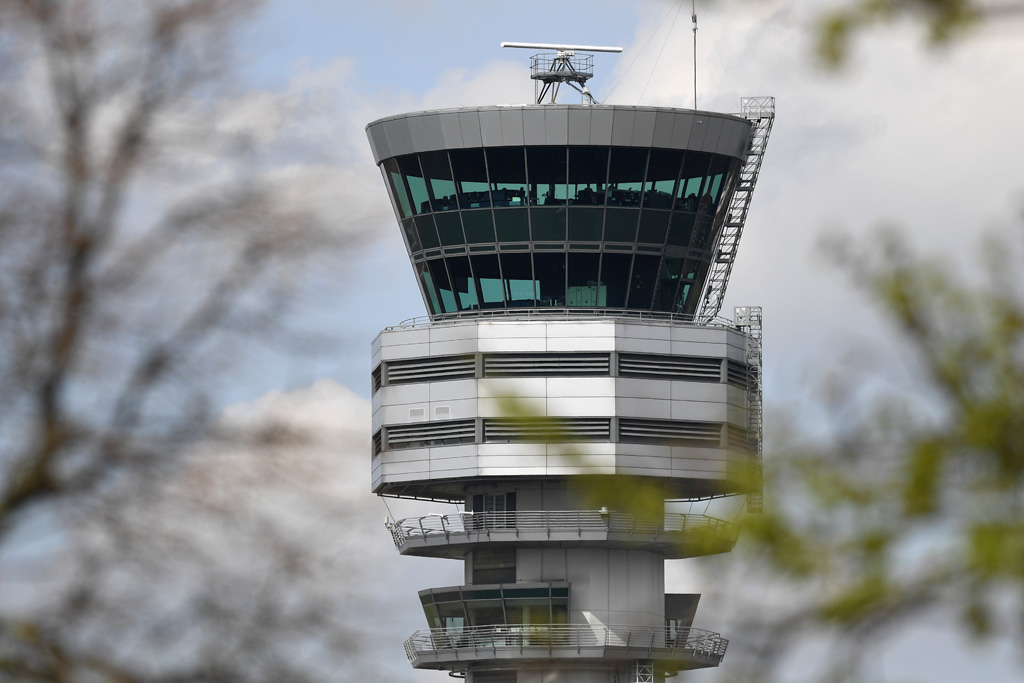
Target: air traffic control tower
point(573, 259)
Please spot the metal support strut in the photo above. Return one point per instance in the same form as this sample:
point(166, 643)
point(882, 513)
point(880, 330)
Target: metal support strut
point(761, 112)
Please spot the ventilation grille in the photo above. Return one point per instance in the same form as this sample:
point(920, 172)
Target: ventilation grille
point(547, 430)
point(423, 434)
point(670, 367)
point(737, 438)
point(674, 432)
point(547, 364)
point(431, 369)
point(375, 378)
point(737, 374)
point(377, 444)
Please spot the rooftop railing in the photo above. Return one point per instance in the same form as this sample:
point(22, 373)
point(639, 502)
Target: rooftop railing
point(703, 527)
point(563, 314)
point(692, 645)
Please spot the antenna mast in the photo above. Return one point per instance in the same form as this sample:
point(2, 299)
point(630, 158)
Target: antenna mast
point(693, 5)
point(551, 69)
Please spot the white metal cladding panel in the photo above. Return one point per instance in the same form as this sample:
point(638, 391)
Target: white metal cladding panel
point(533, 126)
point(641, 345)
point(376, 401)
point(699, 391)
point(654, 408)
point(513, 387)
point(580, 329)
point(698, 132)
point(451, 129)
point(595, 387)
point(699, 411)
point(736, 397)
point(629, 387)
point(737, 416)
point(736, 144)
point(681, 130)
point(512, 462)
point(513, 449)
point(453, 410)
point(662, 465)
point(405, 413)
point(512, 127)
point(377, 420)
point(635, 331)
point(401, 394)
point(454, 347)
point(451, 332)
point(568, 406)
point(694, 333)
point(579, 343)
point(699, 349)
point(452, 390)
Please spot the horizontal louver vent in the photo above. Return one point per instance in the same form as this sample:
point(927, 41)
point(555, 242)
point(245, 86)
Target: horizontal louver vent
point(547, 430)
point(431, 369)
point(738, 438)
point(375, 378)
point(674, 432)
point(670, 367)
point(423, 434)
point(547, 364)
point(737, 374)
point(377, 444)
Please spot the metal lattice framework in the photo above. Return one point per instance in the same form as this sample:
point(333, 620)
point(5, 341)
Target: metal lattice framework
point(761, 113)
point(641, 672)
point(749, 318)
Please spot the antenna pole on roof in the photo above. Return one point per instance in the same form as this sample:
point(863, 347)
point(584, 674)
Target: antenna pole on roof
point(693, 5)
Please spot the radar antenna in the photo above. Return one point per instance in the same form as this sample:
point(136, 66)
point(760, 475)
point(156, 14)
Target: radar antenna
point(550, 70)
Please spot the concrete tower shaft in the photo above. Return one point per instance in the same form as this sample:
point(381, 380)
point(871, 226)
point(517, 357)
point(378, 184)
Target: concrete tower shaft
point(561, 252)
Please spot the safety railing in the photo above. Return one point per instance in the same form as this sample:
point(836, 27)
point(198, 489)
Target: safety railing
point(662, 643)
point(574, 314)
point(579, 521)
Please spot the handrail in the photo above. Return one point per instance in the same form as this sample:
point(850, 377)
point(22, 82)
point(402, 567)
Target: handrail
point(574, 314)
point(404, 530)
point(658, 641)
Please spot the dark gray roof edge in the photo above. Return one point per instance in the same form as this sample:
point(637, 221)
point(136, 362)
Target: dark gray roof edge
point(506, 107)
point(558, 124)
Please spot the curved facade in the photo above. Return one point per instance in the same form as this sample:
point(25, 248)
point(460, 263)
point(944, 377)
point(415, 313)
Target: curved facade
point(560, 206)
point(561, 251)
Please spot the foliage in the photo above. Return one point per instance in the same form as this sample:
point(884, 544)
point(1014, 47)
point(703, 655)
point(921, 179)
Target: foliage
point(915, 510)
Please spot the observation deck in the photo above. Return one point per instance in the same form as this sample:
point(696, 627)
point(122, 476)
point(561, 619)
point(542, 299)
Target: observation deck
point(678, 536)
point(672, 649)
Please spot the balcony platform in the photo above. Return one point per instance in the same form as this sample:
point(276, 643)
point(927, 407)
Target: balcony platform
point(678, 536)
point(672, 650)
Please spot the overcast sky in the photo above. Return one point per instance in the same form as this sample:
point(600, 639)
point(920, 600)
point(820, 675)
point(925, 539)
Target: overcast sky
point(927, 141)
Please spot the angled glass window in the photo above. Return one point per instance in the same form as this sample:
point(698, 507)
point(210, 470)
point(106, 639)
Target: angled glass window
point(549, 271)
point(620, 225)
point(444, 288)
point(691, 181)
point(488, 277)
point(668, 283)
point(615, 277)
point(463, 283)
point(702, 231)
point(449, 228)
point(517, 275)
point(412, 239)
point(546, 168)
point(396, 186)
point(584, 287)
point(409, 165)
point(642, 281)
point(547, 224)
point(680, 228)
point(717, 175)
point(439, 177)
point(470, 178)
point(626, 176)
point(428, 286)
point(662, 172)
point(653, 224)
point(508, 175)
point(512, 225)
point(478, 225)
point(586, 223)
point(427, 232)
point(588, 171)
